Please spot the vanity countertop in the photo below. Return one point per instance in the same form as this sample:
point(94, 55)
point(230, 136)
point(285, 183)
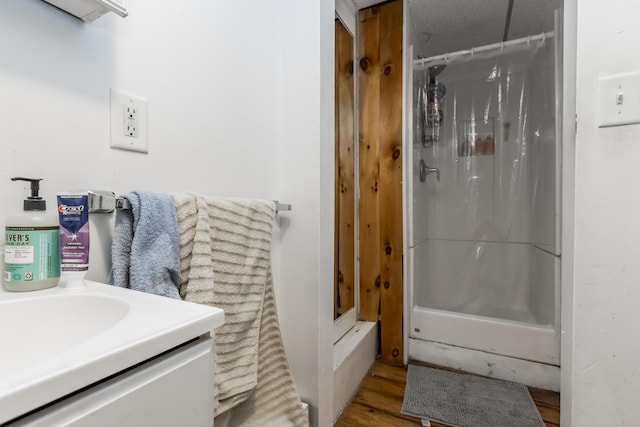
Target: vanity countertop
point(56, 341)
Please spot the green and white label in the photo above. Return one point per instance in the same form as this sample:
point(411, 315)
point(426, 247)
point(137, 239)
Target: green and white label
point(31, 253)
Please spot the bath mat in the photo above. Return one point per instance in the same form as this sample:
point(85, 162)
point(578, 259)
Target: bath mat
point(463, 400)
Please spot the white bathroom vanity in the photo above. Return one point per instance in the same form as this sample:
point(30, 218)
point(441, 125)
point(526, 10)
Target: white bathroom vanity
point(101, 355)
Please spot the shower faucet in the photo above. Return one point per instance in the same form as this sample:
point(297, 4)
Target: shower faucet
point(426, 170)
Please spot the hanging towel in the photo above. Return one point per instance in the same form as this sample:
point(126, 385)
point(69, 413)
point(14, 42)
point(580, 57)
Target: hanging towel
point(145, 251)
point(275, 402)
point(225, 261)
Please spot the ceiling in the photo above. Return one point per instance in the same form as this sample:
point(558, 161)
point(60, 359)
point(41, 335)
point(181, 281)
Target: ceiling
point(441, 26)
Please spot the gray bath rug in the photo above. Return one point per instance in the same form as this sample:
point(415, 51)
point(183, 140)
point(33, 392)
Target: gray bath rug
point(463, 400)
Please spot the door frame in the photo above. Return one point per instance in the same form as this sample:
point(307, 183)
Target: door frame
point(346, 13)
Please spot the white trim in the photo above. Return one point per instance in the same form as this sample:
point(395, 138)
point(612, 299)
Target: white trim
point(569, 41)
point(363, 4)
point(343, 324)
point(558, 63)
point(407, 161)
point(353, 356)
point(346, 12)
point(539, 375)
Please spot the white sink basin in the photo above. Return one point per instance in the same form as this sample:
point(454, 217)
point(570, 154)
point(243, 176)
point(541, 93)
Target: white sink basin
point(56, 341)
point(55, 323)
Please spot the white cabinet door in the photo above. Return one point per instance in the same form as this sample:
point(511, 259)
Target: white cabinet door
point(175, 389)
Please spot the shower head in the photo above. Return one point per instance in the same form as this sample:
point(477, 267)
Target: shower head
point(436, 69)
point(433, 71)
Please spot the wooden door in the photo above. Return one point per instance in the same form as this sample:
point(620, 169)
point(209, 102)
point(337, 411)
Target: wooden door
point(380, 173)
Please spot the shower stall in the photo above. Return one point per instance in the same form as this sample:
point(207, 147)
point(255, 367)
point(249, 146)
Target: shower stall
point(483, 203)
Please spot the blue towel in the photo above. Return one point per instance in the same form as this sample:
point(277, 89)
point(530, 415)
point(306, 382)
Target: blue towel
point(146, 250)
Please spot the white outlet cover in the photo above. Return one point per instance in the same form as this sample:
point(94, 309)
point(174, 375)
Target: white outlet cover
point(118, 100)
point(619, 99)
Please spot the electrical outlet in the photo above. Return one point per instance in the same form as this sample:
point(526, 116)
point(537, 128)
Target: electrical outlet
point(129, 121)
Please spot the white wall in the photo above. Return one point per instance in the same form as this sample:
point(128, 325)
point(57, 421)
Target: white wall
point(306, 171)
point(605, 371)
point(213, 122)
point(235, 109)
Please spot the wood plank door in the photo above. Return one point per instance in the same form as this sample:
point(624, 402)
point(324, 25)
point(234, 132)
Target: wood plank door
point(380, 173)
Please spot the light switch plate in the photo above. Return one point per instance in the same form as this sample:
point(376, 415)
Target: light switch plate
point(619, 99)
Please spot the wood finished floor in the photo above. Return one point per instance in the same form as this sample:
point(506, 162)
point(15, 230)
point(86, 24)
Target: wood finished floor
point(379, 400)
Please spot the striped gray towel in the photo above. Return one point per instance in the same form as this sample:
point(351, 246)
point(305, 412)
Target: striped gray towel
point(225, 261)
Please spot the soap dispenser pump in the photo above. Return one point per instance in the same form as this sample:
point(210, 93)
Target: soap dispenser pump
point(31, 245)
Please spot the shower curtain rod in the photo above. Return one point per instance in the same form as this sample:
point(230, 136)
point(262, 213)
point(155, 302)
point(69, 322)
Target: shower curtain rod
point(447, 57)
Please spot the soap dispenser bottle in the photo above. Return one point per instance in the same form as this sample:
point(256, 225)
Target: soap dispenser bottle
point(31, 245)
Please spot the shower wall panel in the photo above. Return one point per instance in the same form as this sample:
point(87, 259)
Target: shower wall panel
point(479, 197)
point(543, 156)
